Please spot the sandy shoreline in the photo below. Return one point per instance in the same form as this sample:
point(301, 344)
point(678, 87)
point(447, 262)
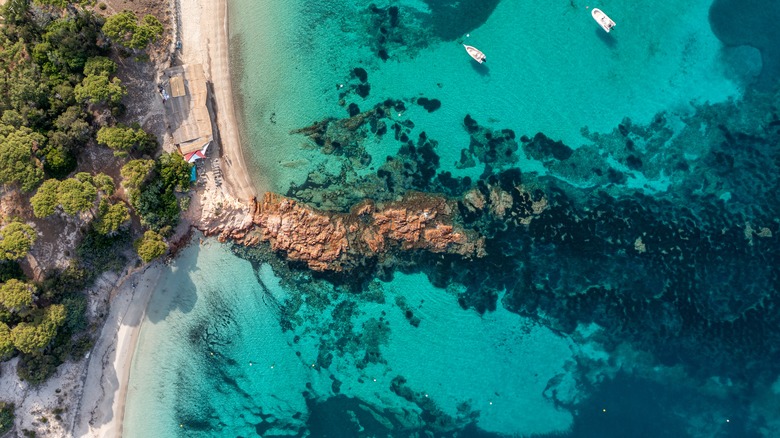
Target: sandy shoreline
point(100, 410)
point(204, 24)
point(205, 40)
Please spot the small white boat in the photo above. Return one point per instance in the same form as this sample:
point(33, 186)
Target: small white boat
point(602, 19)
point(475, 53)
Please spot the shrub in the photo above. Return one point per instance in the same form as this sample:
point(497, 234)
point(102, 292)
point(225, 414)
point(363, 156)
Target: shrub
point(36, 368)
point(150, 246)
point(60, 284)
point(100, 253)
point(6, 417)
point(16, 295)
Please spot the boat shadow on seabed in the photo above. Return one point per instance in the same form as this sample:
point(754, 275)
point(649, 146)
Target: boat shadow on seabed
point(606, 38)
point(482, 69)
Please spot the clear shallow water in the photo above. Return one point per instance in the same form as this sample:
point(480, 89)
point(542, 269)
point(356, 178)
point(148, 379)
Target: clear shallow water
point(549, 70)
point(643, 302)
point(213, 359)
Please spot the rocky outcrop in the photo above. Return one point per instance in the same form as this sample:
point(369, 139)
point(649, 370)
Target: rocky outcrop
point(338, 242)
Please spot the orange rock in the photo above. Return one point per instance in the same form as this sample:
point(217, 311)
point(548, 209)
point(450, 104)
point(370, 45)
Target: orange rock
point(328, 241)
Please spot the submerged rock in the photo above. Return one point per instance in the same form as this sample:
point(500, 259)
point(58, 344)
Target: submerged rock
point(496, 148)
point(430, 105)
point(543, 147)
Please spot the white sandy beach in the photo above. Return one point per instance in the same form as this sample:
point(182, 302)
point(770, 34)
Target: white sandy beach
point(204, 36)
point(205, 40)
point(99, 412)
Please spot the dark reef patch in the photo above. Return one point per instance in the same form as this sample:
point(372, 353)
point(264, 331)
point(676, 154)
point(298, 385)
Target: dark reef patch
point(608, 413)
point(452, 19)
point(752, 23)
point(396, 31)
point(360, 73)
point(430, 105)
point(495, 148)
point(542, 147)
point(332, 418)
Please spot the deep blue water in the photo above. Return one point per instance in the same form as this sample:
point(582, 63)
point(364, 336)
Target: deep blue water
point(630, 287)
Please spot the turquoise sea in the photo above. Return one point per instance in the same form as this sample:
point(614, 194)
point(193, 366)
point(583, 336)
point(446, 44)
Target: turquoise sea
point(642, 301)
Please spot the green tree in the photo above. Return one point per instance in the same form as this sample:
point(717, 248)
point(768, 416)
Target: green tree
point(70, 41)
point(10, 269)
point(123, 28)
point(157, 205)
point(58, 161)
point(72, 123)
point(16, 11)
point(17, 162)
point(76, 196)
point(174, 171)
point(46, 199)
point(135, 173)
point(105, 184)
point(84, 177)
point(150, 246)
point(61, 98)
point(99, 65)
point(120, 27)
point(99, 89)
point(122, 139)
point(12, 119)
point(32, 337)
point(16, 295)
point(6, 351)
point(148, 32)
point(29, 93)
point(16, 239)
point(111, 217)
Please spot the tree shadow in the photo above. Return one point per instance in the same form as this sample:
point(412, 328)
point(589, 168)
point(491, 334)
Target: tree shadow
point(176, 290)
point(152, 295)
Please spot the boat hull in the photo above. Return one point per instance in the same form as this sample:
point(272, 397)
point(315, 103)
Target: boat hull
point(475, 54)
point(602, 19)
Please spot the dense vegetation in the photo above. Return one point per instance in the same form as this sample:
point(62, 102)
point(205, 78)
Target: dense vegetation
point(60, 97)
point(152, 188)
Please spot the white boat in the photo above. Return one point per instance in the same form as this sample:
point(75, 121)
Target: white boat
point(475, 53)
point(601, 18)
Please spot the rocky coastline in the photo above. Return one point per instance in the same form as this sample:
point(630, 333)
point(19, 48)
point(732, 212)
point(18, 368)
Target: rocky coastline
point(339, 242)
